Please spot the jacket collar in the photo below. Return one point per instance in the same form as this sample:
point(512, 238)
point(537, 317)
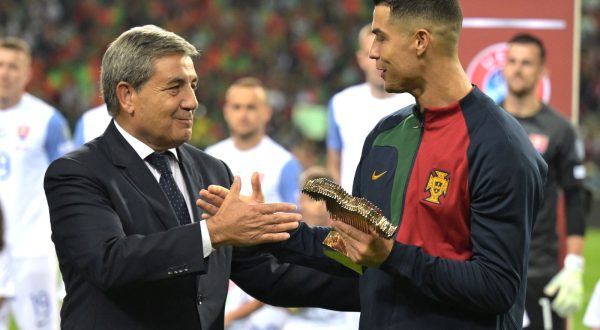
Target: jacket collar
point(135, 169)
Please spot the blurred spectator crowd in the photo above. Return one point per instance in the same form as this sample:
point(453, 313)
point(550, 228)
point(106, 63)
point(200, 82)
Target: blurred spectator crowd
point(302, 50)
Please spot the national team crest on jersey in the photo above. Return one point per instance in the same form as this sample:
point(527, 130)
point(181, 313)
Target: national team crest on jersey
point(437, 186)
point(23, 132)
point(539, 141)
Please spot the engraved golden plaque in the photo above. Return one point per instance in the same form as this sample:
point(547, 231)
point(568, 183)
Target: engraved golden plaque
point(355, 211)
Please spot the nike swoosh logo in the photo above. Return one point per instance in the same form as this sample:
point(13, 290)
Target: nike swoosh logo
point(376, 176)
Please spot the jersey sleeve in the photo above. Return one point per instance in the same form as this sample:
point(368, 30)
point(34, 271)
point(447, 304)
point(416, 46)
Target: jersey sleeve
point(58, 138)
point(334, 139)
point(570, 159)
point(592, 313)
point(78, 135)
point(289, 181)
point(570, 174)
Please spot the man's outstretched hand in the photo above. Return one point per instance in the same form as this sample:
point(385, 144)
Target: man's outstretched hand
point(213, 196)
point(238, 220)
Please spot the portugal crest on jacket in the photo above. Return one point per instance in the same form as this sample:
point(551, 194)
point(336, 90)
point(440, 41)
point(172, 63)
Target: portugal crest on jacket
point(437, 186)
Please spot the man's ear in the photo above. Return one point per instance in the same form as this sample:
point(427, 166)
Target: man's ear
point(422, 41)
point(226, 111)
point(126, 96)
point(545, 72)
point(268, 113)
point(28, 75)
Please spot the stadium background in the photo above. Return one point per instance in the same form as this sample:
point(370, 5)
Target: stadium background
point(302, 50)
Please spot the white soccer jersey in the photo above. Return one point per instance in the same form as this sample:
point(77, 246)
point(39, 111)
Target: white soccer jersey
point(91, 125)
point(319, 319)
point(279, 170)
point(280, 174)
point(592, 313)
point(31, 135)
point(7, 282)
point(353, 113)
point(265, 318)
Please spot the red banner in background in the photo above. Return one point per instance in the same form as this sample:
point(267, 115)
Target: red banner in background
point(489, 24)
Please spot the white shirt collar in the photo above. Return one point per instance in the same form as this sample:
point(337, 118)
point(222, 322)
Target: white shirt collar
point(142, 149)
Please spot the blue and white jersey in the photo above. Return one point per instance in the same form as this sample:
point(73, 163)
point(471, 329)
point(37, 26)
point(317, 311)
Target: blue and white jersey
point(32, 134)
point(91, 125)
point(353, 112)
point(279, 170)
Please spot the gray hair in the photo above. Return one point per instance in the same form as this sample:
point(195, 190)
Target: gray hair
point(130, 58)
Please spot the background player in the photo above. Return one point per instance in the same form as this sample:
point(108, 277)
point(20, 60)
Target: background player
point(92, 123)
point(314, 213)
point(556, 140)
point(32, 133)
point(248, 150)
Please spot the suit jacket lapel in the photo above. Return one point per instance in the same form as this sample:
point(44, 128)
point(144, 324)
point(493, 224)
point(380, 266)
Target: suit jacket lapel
point(136, 170)
point(192, 178)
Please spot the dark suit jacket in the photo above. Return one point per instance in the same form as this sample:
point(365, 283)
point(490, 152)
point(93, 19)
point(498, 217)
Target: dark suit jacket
point(126, 262)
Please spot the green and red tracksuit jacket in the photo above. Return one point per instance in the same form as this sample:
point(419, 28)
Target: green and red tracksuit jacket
point(463, 183)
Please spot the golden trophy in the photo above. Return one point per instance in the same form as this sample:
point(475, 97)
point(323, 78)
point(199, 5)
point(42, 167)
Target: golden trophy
point(355, 211)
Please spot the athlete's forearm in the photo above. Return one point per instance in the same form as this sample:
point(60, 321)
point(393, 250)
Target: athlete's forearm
point(575, 244)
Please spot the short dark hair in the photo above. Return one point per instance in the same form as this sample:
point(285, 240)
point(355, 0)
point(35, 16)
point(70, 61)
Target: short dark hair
point(248, 82)
point(526, 38)
point(314, 172)
point(447, 11)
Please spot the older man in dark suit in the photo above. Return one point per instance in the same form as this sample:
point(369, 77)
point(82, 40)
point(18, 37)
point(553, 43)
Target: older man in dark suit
point(132, 253)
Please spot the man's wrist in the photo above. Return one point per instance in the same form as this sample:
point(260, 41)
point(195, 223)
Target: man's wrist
point(208, 244)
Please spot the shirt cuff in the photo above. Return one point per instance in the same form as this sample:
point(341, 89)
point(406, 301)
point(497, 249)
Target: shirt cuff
point(207, 247)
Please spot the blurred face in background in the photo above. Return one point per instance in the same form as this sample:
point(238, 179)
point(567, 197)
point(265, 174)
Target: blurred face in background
point(246, 111)
point(15, 73)
point(523, 68)
point(366, 64)
point(314, 213)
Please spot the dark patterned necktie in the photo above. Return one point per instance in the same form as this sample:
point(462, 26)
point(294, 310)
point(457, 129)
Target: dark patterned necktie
point(161, 163)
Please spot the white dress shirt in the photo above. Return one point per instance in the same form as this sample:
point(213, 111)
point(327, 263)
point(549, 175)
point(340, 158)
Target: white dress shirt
point(144, 151)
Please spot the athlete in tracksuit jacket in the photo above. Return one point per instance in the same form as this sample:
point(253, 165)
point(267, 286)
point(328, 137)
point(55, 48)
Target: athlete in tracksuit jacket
point(463, 184)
